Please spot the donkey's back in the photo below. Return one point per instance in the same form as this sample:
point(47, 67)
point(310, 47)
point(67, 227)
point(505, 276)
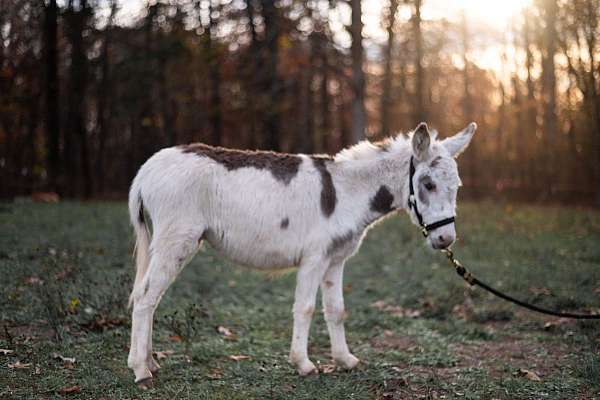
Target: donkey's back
point(254, 207)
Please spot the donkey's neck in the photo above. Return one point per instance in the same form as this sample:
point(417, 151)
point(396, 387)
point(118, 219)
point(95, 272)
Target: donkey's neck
point(374, 183)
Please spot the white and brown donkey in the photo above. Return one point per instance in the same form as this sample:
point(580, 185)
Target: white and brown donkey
point(270, 210)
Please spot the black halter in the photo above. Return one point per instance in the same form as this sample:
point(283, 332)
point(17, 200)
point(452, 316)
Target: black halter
point(412, 205)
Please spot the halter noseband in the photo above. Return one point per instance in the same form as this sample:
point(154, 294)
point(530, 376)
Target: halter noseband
point(412, 205)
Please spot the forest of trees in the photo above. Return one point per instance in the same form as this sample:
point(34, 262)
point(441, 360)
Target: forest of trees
point(85, 97)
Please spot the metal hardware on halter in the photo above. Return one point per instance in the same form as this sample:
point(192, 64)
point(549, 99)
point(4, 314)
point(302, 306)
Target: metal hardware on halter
point(412, 205)
point(460, 270)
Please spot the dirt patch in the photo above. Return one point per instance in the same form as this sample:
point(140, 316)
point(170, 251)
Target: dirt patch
point(514, 354)
point(417, 382)
point(33, 332)
point(390, 341)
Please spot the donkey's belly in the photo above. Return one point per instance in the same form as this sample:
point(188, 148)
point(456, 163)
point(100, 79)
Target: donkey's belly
point(261, 251)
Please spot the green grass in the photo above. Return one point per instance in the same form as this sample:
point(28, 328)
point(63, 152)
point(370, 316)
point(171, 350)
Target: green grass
point(463, 344)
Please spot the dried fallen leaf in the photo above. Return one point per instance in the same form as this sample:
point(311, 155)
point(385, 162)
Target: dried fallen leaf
point(462, 311)
point(64, 273)
point(161, 355)
point(379, 304)
point(549, 326)
point(540, 291)
point(45, 197)
point(215, 373)
point(239, 357)
point(224, 331)
point(396, 311)
point(411, 313)
point(175, 338)
point(70, 390)
point(19, 365)
point(532, 376)
point(328, 368)
point(100, 324)
point(34, 280)
point(66, 360)
point(6, 352)
point(597, 290)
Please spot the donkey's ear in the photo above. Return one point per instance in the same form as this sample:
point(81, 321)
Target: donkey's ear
point(421, 141)
point(458, 143)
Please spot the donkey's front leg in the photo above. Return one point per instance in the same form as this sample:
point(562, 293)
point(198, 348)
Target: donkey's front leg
point(333, 308)
point(308, 278)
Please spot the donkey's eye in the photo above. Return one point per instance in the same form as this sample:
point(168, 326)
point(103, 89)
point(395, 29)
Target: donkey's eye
point(430, 186)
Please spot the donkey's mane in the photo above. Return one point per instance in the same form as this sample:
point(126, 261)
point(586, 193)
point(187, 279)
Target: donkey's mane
point(367, 150)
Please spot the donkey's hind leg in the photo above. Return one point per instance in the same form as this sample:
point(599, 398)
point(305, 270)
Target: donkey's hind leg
point(170, 252)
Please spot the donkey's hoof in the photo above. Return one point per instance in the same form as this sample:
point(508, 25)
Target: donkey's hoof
point(307, 368)
point(145, 384)
point(347, 362)
point(153, 366)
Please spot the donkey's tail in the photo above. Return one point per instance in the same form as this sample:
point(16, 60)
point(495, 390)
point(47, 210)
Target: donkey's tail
point(142, 240)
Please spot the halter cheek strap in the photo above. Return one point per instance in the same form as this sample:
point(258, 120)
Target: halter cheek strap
point(412, 205)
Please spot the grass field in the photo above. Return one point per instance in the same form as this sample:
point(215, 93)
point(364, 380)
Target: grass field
point(223, 332)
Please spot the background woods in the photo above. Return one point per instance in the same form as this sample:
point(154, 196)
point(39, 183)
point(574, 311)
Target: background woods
point(88, 92)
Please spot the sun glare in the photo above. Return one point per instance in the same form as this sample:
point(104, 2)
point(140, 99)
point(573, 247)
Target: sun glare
point(495, 12)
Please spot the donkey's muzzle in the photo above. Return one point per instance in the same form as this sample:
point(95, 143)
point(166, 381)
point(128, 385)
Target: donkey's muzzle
point(441, 241)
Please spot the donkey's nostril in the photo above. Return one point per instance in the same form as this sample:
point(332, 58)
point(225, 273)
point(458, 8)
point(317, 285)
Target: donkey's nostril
point(443, 241)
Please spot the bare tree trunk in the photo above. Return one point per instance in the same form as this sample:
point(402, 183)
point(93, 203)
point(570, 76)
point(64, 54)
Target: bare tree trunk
point(31, 125)
point(530, 101)
point(501, 145)
point(467, 97)
point(146, 114)
point(520, 127)
point(386, 95)
point(467, 103)
point(549, 41)
point(345, 130)
point(359, 117)
point(52, 110)
point(169, 132)
point(104, 93)
point(420, 112)
point(307, 102)
point(272, 31)
point(78, 21)
point(214, 75)
point(250, 74)
point(325, 131)
point(250, 14)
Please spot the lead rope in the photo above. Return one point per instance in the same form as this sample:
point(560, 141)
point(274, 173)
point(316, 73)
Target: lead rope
point(471, 280)
point(462, 271)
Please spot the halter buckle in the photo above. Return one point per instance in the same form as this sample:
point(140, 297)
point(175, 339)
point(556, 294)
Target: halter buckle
point(411, 201)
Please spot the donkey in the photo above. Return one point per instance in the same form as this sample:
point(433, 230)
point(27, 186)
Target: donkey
point(271, 210)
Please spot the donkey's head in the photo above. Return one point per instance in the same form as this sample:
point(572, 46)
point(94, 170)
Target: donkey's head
point(435, 182)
